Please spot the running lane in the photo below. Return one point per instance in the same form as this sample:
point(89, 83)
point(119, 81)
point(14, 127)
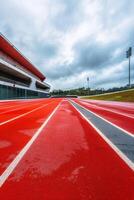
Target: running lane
point(15, 134)
point(69, 161)
point(8, 104)
point(116, 113)
point(124, 108)
point(11, 105)
point(20, 109)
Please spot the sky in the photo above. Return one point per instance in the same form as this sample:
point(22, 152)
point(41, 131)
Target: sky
point(70, 40)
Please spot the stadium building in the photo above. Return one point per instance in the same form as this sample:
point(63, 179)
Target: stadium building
point(19, 78)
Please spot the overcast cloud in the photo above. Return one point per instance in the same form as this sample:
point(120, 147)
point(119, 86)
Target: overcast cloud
point(69, 40)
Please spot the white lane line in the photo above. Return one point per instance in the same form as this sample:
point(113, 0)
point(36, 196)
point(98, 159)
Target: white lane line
point(125, 131)
point(18, 104)
point(18, 107)
point(120, 154)
point(22, 115)
point(14, 100)
point(6, 100)
point(21, 103)
point(7, 106)
point(113, 111)
point(18, 158)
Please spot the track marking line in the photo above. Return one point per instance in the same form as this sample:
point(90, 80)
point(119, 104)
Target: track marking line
point(12, 100)
point(22, 115)
point(8, 100)
point(18, 158)
point(18, 107)
point(1, 107)
point(119, 113)
point(125, 131)
point(129, 163)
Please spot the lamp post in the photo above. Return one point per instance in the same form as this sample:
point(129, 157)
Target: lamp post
point(128, 55)
point(88, 84)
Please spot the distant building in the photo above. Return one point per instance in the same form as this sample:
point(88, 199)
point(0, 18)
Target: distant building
point(19, 78)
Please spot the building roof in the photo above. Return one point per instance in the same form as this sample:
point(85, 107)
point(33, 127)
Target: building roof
point(15, 54)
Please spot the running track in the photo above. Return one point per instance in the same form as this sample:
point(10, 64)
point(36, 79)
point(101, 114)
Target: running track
point(60, 149)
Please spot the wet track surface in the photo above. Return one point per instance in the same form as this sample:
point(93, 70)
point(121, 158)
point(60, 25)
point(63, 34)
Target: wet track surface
point(48, 151)
point(121, 114)
point(124, 142)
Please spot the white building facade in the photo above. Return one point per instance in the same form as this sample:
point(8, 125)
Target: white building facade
point(19, 78)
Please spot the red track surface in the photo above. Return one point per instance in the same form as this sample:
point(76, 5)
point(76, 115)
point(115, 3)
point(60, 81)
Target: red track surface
point(120, 114)
point(68, 160)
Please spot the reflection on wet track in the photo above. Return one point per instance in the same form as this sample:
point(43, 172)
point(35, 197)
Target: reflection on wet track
point(68, 160)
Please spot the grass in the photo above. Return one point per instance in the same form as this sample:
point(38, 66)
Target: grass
point(126, 96)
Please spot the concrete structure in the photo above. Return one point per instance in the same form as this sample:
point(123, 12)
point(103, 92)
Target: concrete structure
point(19, 78)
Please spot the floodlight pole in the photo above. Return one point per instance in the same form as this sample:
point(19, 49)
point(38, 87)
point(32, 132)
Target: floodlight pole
point(88, 84)
point(128, 55)
point(129, 73)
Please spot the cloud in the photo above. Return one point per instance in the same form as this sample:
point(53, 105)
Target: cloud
point(69, 40)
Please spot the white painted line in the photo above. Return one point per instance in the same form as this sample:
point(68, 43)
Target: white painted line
point(125, 131)
point(119, 113)
point(120, 154)
point(18, 158)
point(6, 100)
point(10, 100)
point(3, 107)
point(24, 114)
point(22, 102)
point(18, 107)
